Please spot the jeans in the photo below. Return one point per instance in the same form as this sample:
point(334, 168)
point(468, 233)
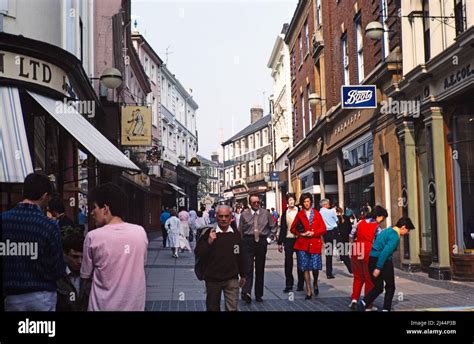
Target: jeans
point(38, 301)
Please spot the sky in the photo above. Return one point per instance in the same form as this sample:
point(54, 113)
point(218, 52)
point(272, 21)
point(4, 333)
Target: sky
point(219, 49)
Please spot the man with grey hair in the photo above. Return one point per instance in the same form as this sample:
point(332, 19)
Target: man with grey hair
point(256, 225)
point(220, 250)
point(330, 220)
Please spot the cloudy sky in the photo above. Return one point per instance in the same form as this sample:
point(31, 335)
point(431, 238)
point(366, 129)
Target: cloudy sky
point(220, 49)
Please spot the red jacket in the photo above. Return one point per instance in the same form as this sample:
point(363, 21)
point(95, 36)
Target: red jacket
point(312, 244)
point(364, 238)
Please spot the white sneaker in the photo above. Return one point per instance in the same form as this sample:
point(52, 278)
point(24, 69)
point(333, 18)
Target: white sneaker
point(353, 304)
point(372, 309)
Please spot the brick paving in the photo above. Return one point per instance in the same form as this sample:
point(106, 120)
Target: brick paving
point(172, 286)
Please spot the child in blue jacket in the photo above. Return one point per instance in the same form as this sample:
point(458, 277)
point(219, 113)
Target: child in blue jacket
point(380, 263)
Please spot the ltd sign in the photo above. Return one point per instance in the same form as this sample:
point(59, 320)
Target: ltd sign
point(359, 97)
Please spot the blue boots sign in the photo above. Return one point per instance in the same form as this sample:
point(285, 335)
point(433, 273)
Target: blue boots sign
point(359, 97)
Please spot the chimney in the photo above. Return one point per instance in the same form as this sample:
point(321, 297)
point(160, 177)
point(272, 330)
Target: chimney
point(256, 113)
point(215, 157)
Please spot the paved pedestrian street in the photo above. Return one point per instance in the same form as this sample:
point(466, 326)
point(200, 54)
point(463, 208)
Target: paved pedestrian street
point(173, 286)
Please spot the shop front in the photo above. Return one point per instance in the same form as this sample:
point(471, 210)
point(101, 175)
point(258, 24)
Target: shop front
point(48, 112)
point(437, 163)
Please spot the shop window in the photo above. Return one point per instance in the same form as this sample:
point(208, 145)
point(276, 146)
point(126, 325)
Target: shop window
point(358, 156)
point(464, 179)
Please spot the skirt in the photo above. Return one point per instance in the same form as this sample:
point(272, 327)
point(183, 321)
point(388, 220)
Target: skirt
point(308, 261)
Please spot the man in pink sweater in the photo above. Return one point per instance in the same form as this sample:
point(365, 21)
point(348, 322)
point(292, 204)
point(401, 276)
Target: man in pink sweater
point(114, 254)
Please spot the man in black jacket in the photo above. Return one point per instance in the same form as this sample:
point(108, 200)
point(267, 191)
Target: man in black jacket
point(72, 295)
point(221, 251)
point(287, 240)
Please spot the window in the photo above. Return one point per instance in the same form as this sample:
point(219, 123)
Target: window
point(258, 167)
point(303, 116)
point(243, 169)
point(145, 65)
point(257, 140)
point(226, 153)
point(300, 39)
point(310, 113)
point(426, 30)
point(152, 74)
point(154, 110)
point(385, 37)
point(460, 14)
point(266, 167)
point(360, 49)
point(170, 141)
point(227, 178)
point(231, 151)
point(265, 137)
point(345, 60)
point(237, 172)
point(293, 64)
point(306, 33)
point(164, 135)
point(251, 168)
point(242, 146)
point(319, 21)
point(237, 148)
point(251, 143)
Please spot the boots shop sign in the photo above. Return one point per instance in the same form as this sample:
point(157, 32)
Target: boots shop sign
point(33, 70)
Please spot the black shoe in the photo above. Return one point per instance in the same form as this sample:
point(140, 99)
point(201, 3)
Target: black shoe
point(258, 299)
point(316, 291)
point(308, 297)
point(246, 298)
point(331, 276)
point(287, 289)
point(299, 289)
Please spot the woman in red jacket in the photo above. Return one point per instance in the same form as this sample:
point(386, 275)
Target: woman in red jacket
point(309, 227)
point(362, 244)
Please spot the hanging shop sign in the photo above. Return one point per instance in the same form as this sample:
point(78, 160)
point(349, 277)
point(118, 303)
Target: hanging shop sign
point(136, 126)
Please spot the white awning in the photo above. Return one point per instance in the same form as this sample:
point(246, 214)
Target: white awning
point(84, 132)
point(15, 158)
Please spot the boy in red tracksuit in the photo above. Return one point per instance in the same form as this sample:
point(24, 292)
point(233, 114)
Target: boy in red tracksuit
point(365, 235)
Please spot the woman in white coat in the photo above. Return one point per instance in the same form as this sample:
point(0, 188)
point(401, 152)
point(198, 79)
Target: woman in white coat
point(173, 227)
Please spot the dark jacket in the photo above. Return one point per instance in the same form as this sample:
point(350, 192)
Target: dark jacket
point(68, 298)
point(224, 259)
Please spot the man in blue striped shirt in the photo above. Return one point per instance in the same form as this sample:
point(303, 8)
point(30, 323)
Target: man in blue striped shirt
point(29, 280)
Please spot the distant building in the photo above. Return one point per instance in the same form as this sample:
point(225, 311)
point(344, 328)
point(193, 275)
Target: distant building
point(247, 161)
point(211, 180)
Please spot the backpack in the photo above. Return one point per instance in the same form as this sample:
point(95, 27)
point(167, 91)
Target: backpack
point(200, 264)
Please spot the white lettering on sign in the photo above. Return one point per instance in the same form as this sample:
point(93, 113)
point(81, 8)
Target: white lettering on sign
point(356, 97)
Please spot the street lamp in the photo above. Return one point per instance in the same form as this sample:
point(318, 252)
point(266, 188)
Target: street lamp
point(181, 157)
point(315, 98)
point(374, 30)
point(111, 78)
point(284, 138)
